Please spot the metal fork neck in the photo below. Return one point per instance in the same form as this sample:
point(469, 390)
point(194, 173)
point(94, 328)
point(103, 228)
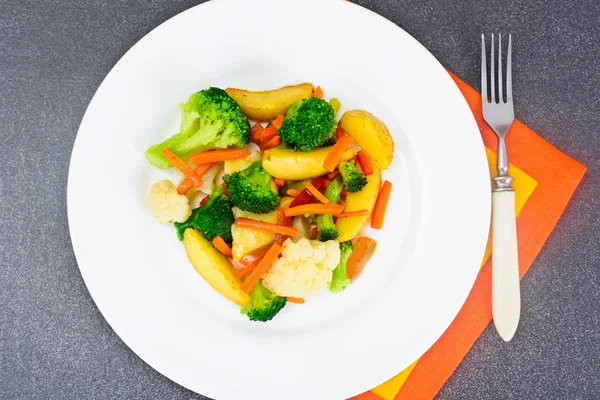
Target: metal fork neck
point(503, 181)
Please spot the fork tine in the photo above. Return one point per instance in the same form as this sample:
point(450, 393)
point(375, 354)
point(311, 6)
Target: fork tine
point(509, 71)
point(500, 95)
point(493, 72)
point(484, 89)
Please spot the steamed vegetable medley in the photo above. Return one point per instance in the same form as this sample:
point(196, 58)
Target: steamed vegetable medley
point(274, 211)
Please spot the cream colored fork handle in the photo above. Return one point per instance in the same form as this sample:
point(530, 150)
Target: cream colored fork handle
point(506, 295)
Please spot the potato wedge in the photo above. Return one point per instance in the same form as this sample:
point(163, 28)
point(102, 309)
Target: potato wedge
point(371, 134)
point(267, 105)
point(295, 165)
point(240, 164)
point(245, 239)
point(213, 267)
point(351, 227)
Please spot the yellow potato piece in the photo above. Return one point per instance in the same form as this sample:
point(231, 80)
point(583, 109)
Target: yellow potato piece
point(295, 165)
point(371, 134)
point(245, 239)
point(351, 227)
point(240, 164)
point(267, 105)
point(213, 267)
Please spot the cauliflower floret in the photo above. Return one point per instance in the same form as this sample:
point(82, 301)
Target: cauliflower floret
point(305, 267)
point(166, 204)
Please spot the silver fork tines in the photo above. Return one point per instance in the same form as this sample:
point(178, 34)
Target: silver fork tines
point(498, 111)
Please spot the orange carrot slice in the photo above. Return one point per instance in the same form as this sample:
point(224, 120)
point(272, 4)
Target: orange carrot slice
point(220, 245)
point(186, 184)
point(265, 226)
point(243, 267)
point(213, 156)
point(273, 142)
point(316, 193)
point(256, 132)
point(293, 192)
point(335, 154)
point(364, 248)
point(359, 213)
point(181, 166)
point(277, 122)
point(262, 267)
point(318, 92)
point(296, 300)
point(365, 162)
point(268, 133)
point(279, 182)
point(381, 205)
point(315, 209)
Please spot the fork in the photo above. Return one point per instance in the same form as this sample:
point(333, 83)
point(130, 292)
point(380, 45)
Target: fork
point(498, 113)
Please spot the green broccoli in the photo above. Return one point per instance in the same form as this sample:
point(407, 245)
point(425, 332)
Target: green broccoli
point(263, 305)
point(325, 226)
point(212, 219)
point(307, 124)
point(210, 119)
point(354, 179)
point(340, 281)
point(252, 189)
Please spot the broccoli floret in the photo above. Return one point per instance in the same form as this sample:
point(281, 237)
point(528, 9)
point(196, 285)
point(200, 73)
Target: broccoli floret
point(307, 124)
point(340, 281)
point(210, 119)
point(354, 179)
point(252, 189)
point(263, 305)
point(325, 226)
point(212, 219)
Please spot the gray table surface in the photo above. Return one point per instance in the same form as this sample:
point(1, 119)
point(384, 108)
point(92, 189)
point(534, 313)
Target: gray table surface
point(54, 344)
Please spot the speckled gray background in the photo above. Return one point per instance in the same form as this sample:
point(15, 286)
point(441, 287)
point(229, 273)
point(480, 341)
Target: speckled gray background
point(54, 344)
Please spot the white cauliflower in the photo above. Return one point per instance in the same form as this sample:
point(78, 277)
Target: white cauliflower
point(166, 204)
point(304, 268)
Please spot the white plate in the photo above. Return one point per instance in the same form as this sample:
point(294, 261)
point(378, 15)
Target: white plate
point(334, 346)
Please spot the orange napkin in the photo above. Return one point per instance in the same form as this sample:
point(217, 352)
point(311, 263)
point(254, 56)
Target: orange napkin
point(548, 179)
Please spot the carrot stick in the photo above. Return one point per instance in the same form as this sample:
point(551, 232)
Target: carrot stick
point(381, 205)
point(256, 132)
point(293, 192)
point(315, 209)
point(318, 195)
point(296, 300)
point(262, 267)
point(247, 268)
point(277, 122)
point(333, 175)
point(339, 133)
point(364, 248)
point(279, 182)
point(186, 184)
point(359, 213)
point(273, 142)
point(181, 166)
point(218, 155)
point(249, 261)
point(268, 133)
point(365, 162)
point(318, 92)
point(265, 226)
point(335, 154)
point(220, 244)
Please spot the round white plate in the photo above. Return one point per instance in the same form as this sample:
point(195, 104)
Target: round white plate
point(334, 346)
